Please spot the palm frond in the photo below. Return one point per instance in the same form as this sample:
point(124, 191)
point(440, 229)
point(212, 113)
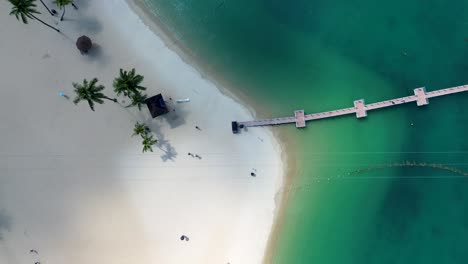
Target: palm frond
point(24, 18)
point(62, 3)
point(91, 105)
point(90, 92)
point(99, 88)
point(93, 82)
point(148, 142)
point(23, 9)
point(141, 130)
point(128, 83)
point(98, 100)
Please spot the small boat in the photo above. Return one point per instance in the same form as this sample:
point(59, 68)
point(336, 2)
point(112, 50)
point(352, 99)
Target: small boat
point(183, 100)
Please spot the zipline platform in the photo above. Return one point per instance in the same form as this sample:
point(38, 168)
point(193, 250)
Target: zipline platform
point(421, 97)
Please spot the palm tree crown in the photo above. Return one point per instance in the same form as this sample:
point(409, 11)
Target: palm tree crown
point(148, 142)
point(137, 99)
point(141, 129)
point(23, 9)
point(128, 83)
point(61, 4)
point(90, 92)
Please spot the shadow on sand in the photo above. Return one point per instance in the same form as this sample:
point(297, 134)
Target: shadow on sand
point(96, 54)
point(87, 25)
point(5, 223)
point(173, 118)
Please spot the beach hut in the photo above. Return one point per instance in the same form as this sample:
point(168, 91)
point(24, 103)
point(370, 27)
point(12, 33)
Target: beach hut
point(156, 105)
point(84, 44)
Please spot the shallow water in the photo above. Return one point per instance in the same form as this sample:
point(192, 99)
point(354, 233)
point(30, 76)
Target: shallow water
point(322, 55)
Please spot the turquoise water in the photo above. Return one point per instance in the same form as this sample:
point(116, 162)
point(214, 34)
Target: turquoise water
point(321, 55)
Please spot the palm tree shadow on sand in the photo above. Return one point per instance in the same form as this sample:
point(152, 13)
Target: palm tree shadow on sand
point(174, 118)
point(5, 223)
point(163, 144)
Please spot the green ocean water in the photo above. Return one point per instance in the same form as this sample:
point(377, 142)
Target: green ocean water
point(352, 201)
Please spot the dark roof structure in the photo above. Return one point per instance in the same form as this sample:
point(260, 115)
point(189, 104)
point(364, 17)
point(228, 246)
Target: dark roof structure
point(235, 127)
point(156, 105)
point(84, 44)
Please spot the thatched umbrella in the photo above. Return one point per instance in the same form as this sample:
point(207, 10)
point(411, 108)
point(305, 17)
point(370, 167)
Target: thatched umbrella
point(84, 44)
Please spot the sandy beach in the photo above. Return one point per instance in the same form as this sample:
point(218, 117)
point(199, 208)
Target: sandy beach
point(74, 184)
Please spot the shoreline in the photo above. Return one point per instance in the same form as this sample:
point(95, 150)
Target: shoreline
point(289, 168)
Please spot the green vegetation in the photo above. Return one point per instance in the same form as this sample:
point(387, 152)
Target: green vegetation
point(61, 5)
point(141, 130)
point(24, 9)
point(88, 91)
point(144, 131)
point(148, 142)
point(128, 84)
point(137, 100)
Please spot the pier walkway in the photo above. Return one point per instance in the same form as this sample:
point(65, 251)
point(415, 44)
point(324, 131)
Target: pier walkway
point(421, 97)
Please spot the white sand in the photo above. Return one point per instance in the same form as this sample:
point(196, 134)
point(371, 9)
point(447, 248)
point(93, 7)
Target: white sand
point(75, 186)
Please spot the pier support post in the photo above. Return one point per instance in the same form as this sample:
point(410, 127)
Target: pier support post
point(300, 120)
point(360, 107)
point(421, 95)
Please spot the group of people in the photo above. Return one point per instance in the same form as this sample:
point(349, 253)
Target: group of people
point(194, 155)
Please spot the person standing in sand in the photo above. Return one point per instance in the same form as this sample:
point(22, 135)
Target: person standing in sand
point(64, 95)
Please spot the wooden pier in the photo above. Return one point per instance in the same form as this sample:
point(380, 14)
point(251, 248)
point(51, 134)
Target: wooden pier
point(421, 97)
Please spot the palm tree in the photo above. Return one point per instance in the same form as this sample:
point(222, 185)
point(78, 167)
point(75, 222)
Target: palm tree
point(148, 142)
point(62, 4)
point(137, 99)
point(90, 92)
point(141, 129)
point(128, 83)
point(24, 9)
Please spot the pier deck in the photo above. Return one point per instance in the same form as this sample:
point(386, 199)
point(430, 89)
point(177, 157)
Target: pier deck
point(421, 97)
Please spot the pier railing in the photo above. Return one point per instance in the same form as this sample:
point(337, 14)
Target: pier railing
point(421, 97)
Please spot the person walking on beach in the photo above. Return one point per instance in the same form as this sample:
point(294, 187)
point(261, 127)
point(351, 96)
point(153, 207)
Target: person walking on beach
point(253, 173)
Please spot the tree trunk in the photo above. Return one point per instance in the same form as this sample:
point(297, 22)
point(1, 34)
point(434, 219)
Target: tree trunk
point(56, 29)
point(50, 12)
point(63, 13)
point(110, 99)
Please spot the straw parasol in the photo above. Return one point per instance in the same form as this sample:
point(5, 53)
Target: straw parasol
point(84, 44)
